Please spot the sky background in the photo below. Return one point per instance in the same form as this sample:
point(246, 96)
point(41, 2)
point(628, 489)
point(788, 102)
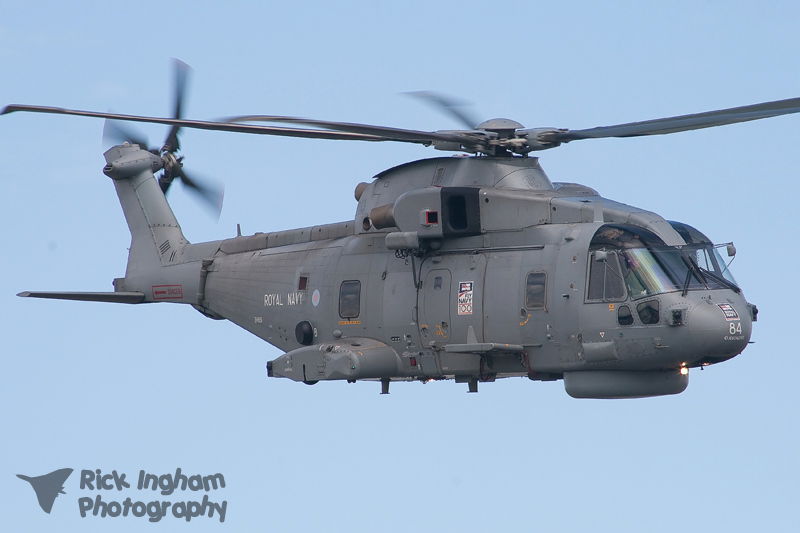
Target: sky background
point(157, 387)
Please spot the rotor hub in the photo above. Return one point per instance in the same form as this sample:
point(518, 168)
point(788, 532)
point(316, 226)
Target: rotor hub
point(504, 127)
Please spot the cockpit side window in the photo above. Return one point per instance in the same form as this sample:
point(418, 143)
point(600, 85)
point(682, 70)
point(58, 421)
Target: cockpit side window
point(648, 312)
point(605, 277)
point(624, 316)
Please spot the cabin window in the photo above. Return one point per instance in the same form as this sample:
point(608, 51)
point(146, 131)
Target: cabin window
point(605, 277)
point(350, 299)
point(302, 283)
point(535, 285)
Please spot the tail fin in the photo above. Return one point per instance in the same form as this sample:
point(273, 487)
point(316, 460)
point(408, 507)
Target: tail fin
point(156, 235)
point(157, 240)
point(162, 265)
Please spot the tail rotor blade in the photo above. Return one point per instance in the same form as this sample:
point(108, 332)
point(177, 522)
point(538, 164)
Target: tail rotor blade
point(182, 71)
point(212, 195)
point(115, 133)
point(165, 181)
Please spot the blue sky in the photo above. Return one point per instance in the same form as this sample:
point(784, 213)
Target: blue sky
point(126, 388)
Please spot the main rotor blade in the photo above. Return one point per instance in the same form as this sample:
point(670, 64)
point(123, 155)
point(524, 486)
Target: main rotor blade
point(205, 125)
point(392, 134)
point(449, 105)
point(696, 121)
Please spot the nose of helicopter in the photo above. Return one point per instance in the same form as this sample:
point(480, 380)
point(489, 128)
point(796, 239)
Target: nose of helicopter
point(719, 330)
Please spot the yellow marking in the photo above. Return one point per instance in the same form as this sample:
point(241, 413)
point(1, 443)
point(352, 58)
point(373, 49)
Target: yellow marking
point(439, 331)
point(347, 322)
point(610, 307)
point(526, 320)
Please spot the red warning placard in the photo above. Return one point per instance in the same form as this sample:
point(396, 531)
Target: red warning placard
point(167, 292)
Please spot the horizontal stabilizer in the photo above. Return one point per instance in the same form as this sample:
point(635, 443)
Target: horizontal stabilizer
point(111, 297)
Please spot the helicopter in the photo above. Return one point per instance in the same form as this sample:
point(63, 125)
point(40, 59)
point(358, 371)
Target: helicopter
point(471, 267)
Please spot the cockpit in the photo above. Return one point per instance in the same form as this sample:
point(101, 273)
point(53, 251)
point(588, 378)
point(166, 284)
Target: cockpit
point(632, 261)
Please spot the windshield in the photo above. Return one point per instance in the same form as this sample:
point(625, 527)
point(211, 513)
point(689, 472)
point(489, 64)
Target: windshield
point(703, 251)
point(708, 258)
point(653, 271)
point(649, 267)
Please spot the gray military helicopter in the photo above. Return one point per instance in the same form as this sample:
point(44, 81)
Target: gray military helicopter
point(470, 268)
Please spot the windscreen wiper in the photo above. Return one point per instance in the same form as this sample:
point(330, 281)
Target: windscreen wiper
point(701, 274)
point(719, 279)
point(693, 269)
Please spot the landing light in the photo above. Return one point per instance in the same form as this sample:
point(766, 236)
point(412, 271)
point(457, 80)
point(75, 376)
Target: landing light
point(684, 371)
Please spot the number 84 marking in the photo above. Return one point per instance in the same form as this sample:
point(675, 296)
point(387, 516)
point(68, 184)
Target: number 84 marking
point(735, 328)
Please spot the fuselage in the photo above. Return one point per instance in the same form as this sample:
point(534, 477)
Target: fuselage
point(491, 272)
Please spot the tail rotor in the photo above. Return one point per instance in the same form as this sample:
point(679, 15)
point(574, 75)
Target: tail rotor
point(210, 195)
